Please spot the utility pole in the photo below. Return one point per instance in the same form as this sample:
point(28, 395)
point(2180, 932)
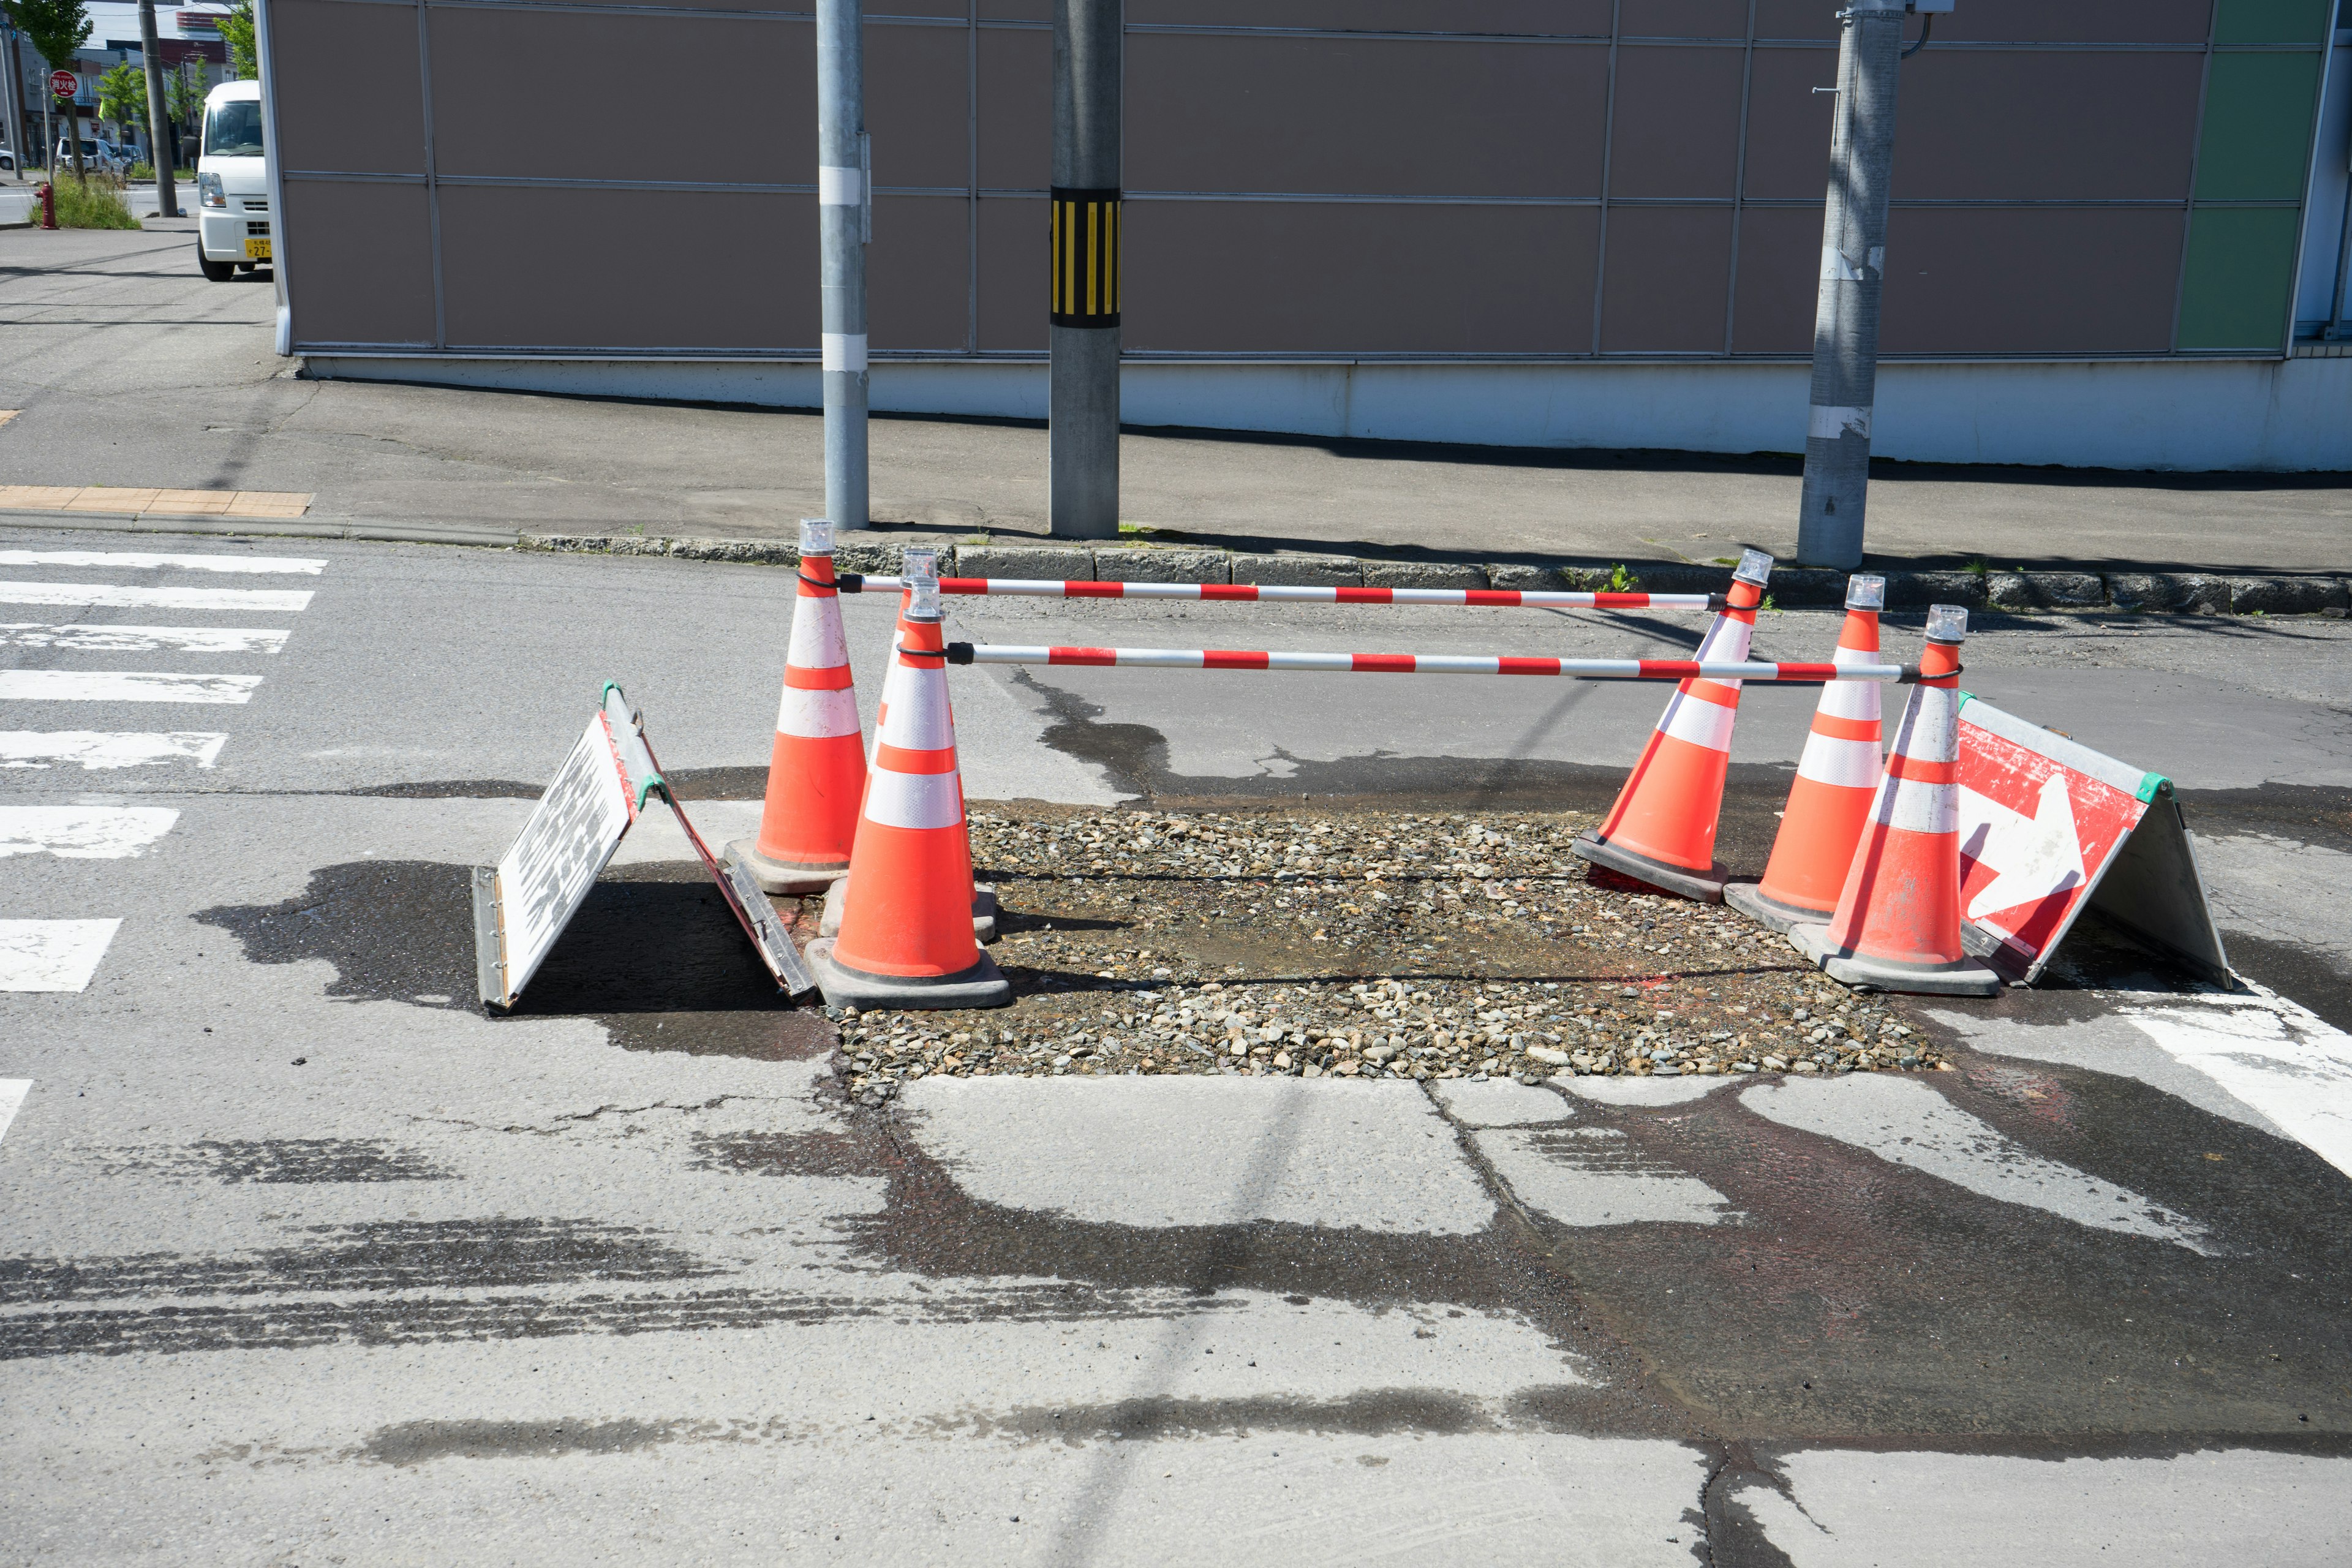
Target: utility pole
point(1082, 426)
point(1852, 275)
point(844, 220)
point(12, 102)
point(159, 116)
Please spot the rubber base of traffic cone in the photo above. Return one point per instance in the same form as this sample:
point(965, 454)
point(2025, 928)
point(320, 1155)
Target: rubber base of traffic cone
point(1705, 886)
point(1962, 977)
point(784, 876)
point(983, 910)
point(1750, 900)
point(982, 985)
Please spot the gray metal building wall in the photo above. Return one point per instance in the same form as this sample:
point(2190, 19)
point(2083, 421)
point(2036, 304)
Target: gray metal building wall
point(1357, 179)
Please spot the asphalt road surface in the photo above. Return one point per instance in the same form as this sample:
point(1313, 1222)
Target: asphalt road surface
point(303, 1258)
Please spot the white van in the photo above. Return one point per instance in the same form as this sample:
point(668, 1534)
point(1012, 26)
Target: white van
point(233, 216)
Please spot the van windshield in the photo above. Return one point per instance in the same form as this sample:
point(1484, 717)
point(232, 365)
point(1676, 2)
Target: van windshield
point(233, 129)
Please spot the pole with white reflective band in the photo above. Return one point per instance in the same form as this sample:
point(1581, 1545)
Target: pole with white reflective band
point(1268, 593)
point(844, 198)
point(1767, 673)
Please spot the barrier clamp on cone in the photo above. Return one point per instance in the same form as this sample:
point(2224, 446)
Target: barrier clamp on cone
point(816, 773)
point(1837, 777)
point(917, 562)
point(1897, 923)
point(906, 936)
point(1661, 829)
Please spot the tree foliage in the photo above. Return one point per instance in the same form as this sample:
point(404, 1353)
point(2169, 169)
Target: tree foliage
point(57, 27)
point(122, 95)
point(237, 31)
point(183, 91)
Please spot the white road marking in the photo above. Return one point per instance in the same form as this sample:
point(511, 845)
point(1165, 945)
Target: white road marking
point(78, 594)
point(1204, 1151)
point(1680, 1090)
point(2290, 1065)
point(52, 955)
point(144, 639)
point(1500, 1102)
point(141, 561)
point(12, 1095)
point(1597, 1175)
point(98, 749)
point(1904, 1122)
point(122, 686)
point(82, 833)
point(2249, 1508)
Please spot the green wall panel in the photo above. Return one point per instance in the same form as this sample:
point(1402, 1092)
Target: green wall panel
point(2240, 267)
point(2257, 140)
point(2271, 21)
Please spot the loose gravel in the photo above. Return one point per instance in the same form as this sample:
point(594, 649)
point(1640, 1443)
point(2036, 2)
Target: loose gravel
point(1309, 943)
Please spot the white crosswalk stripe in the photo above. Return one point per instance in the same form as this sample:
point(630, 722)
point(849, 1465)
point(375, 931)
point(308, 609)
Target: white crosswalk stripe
point(144, 639)
point(83, 832)
point(96, 750)
point(51, 955)
point(111, 596)
point(122, 686)
point(12, 1095)
point(147, 561)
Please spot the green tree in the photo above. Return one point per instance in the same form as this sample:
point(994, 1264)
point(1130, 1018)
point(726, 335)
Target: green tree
point(184, 97)
point(237, 31)
point(122, 95)
point(57, 27)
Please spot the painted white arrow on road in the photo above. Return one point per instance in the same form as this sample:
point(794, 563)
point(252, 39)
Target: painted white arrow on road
point(2033, 856)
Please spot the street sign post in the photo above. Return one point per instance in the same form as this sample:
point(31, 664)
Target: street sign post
point(64, 84)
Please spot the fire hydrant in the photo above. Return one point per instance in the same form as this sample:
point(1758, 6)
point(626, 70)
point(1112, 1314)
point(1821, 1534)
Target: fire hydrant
point(48, 194)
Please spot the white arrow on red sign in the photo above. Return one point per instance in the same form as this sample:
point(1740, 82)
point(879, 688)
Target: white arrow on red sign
point(2031, 857)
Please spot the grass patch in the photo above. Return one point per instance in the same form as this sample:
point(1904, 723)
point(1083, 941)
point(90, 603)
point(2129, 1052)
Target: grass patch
point(90, 206)
point(138, 172)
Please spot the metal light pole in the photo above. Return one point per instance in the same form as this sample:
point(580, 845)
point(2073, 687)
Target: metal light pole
point(1853, 261)
point(1082, 426)
point(159, 116)
point(844, 218)
point(14, 105)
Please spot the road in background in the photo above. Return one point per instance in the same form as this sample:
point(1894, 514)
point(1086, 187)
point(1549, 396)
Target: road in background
point(304, 1254)
point(115, 330)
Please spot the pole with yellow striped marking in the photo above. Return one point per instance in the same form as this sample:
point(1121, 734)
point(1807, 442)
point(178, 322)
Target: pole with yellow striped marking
point(1083, 292)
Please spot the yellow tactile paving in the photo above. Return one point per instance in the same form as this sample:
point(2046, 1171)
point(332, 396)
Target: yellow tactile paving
point(173, 503)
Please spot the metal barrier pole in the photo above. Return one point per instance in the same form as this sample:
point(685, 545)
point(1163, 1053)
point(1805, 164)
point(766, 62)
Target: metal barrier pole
point(1082, 427)
point(845, 219)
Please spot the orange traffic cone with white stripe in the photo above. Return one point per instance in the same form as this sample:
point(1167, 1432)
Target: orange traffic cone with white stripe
point(916, 562)
point(816, 773)
point(1661, 829)
point(1837, 777)
point(1897, 925)
point(906, 936)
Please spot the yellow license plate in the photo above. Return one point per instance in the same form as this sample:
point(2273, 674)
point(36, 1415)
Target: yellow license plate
point(257, 250)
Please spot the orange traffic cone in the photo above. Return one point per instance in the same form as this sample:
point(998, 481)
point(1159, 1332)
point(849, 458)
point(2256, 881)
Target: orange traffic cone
point(906, 926)
point(1897, 925)
point(1661, 829)
point(915, 562)
point(1836, 778)
point(818, 772)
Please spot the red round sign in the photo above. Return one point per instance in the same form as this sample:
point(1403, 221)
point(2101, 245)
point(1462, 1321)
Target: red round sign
point(65, 84)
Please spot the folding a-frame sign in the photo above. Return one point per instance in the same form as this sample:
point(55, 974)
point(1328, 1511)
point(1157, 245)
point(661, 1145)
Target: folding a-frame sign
point(523, 903)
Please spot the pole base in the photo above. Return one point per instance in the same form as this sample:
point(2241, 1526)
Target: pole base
point(1706, 886)
point(784, 876)
point(1962, 977)
point(983, 910)
point(982, 985)
point(1748, 899)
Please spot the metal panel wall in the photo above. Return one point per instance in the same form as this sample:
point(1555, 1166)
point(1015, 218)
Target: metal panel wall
point(1358, 179)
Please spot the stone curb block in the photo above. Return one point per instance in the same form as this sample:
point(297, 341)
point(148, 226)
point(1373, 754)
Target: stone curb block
point(2191, 591)
point(1163, 565)
point(1298, 570)
point(1048, 562)
point(1422, 575)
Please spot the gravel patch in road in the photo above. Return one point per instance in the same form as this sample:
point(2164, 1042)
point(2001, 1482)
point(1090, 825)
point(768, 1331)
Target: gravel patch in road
point(1300, 943)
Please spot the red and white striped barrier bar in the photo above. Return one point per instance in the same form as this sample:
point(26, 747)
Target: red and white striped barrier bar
point(1432, 664)
point(1253, 592)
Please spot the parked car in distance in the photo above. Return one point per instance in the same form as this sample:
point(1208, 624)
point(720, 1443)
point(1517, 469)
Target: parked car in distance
point(8, 159)
point(233, 216)
point(99, 157)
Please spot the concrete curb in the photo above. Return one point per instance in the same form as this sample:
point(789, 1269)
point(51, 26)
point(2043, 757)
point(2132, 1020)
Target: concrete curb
point(2188, 593)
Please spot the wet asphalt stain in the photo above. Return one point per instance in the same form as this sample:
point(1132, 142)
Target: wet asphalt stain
point(654, 954)
point(296, 1160)
point(294, 1323)
point(1858, 1296)
point(2318, 979)
point(1375, 1413)
point(449, 789)
point(391, 1254)
point(418, 1442)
